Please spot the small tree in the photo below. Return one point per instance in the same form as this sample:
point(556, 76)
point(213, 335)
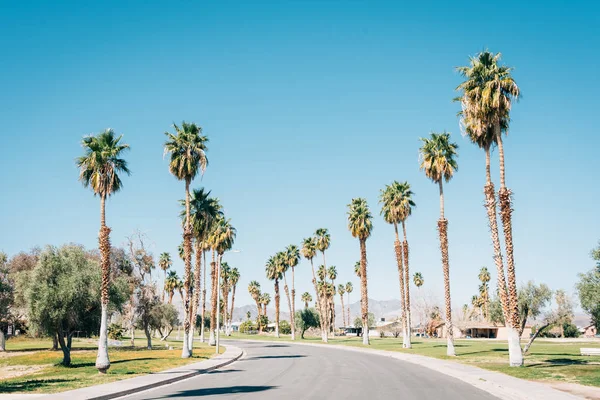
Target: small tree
point(306, 319)
point(284, 327)
point(6, 299)
point(64, 295)
point(588, 289)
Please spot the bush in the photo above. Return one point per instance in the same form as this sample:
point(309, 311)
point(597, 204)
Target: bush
point(381, 334)
point(570, 330)
point(115, 332)
point(247, 326)
point(285, 328)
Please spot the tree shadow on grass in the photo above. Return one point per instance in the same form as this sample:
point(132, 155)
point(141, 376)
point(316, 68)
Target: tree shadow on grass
point(29, 385)
point(216, 391)
point(497, 350)
point(93, 364)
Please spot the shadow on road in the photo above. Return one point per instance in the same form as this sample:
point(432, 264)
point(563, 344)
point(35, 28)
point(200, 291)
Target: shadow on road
point(277, 345)
point(216, 391)
point(273, 357)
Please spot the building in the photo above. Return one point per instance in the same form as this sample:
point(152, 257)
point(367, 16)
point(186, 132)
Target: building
point(480, 330)
point(589, 331)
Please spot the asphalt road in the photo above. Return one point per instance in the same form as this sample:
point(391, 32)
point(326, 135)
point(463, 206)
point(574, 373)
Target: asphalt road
point(286, 371)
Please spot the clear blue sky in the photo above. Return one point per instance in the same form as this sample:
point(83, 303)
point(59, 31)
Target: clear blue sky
point(306, 104)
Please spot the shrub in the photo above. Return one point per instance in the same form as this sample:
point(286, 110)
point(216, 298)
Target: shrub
point(284, 327)
point(247, 326)
point(381, 334)
point(570, 330)
point(115, 332)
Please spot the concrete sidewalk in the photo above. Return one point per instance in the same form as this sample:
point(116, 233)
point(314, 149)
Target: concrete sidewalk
point(497, 384)
point(128, 386)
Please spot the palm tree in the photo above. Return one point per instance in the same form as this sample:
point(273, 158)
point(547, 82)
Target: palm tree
point(204, 212)
point(283, 266)
point(397, 203)
point(187, 149)
point(309, 251)
point(221, 239)
point(360, 224)
point(332, 274)
point(341, 291)
point(438, 160)
point(165, 262)
point(418, 279)
point(357, 269)
point(99, 170)
point(254, 290)
point(225, 271)
point(274, 274)
point(292, 257)
point(323, 241)
point(171, 283)
point(322, 293)
point(349, 290)
point(306, 298)
point(486, 98)
point(234, 278)
point(265, 300)
point(484, 277)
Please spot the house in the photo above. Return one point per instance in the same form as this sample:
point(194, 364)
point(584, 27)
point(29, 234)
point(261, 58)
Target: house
point(479, 329)
point(588, 331)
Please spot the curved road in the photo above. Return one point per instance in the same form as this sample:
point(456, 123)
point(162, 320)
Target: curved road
point(286, 371)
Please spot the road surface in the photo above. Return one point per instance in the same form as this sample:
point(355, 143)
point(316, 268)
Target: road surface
point(271, 371)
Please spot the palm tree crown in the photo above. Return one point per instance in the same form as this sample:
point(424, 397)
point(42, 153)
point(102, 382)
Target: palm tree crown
point(418, 279)
point(360, 220)
point(187, 148)
point(438, 157)
point(323, 239)
point(292, 255)
point(397, 203)
point(100, 166)
point(164, 261)
point(309, 248)
point(332, 272)
point(349, 287)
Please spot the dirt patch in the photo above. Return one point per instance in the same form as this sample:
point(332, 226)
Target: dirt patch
point(587, 392)
point(15, 371)
point(7, 354)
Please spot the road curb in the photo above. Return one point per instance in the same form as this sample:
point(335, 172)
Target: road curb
point(495, 383)
point(111, 390)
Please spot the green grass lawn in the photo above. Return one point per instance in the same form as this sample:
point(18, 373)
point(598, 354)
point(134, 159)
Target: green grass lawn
point(44, 374)
point(546, 360)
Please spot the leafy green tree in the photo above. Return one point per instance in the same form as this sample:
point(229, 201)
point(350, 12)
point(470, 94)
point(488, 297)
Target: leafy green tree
point(187, 150)
point(6, 298)
point(358, 322)
point(247, 326)
point(64, 295)
point(285, 328)
point(99, 170)
point(306, 319)
point(360, 224)
point(588, 289)
point(438, 160)
point(532, 300)
point(147, 303)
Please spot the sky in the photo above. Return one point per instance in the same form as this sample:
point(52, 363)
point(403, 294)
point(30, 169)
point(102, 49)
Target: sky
point(306, 104)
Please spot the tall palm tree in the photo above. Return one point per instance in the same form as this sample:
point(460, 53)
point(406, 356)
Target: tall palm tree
point(360, 224)
point(283, 267)
point(225, 287)
point(332, 274)
point(234, 278)
point(292, 257)
point(484, 277)
point(265, 300)
point(349, 289)
point(306, 298)
point(322, 293)
point(204, 212)
point(187, 150)
point(222, 239)
point(171, 284)
point(438, 160)
point(323, 240)
point(397, 203)
point(165, 262)
point(341, 291)
point(274, 274)
point(309, 251)
point(486, 98)
point(99, 169)
point(254, 290)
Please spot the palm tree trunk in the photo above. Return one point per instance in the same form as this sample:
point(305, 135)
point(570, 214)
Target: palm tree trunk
point(343, 310)
point(213, 301)
point(398, 251)
point(187, 256)
point(203, 297)
point(407, 291)
point(232, 304)
point(171, 293)
point(363, 291)
point(490, 205)
point(277, 307)
point(197, 281)
point(102, 360)
point(164, 284)
point(293, 316)
point(504, 195)
point(348, 315)
point(443, 231)
point(287, 295)
point(258, 319)
point(319, 305)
